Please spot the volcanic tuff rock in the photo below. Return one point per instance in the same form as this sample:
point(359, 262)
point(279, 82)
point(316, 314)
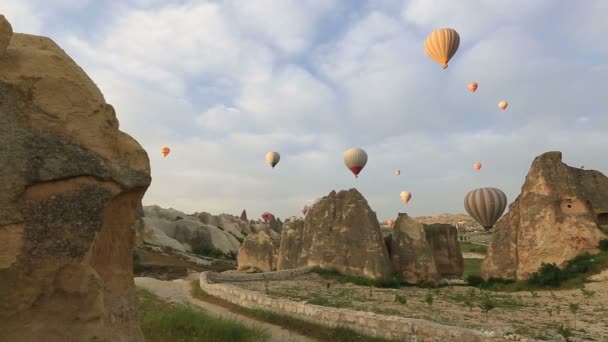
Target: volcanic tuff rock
point(6, 33)
point(257, 251)
point(462, 222)
point(244, 215)
point(411, 254)
point(340, 232)
point(559, 214)
point(72, 184)
point(443, 240)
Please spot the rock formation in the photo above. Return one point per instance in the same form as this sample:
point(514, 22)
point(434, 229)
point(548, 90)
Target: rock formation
point(443, 240)
point(411, 254)
point(6, 33)
point(462, 222)
point(72, 184)
point(244, 216)
point(257, 251)
point(559, 214)
point(340, 232)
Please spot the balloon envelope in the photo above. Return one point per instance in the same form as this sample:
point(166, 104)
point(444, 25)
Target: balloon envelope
point(472, 86)
point(441, 45)
point(390, 223)
point(266, 216)
point(405, 196)
point(355, 160)
point(503, 105)
point(272, 158)
point(485, 205)
point(304, 209)
point(165, 151)
point(397, 172)
point(477, 166)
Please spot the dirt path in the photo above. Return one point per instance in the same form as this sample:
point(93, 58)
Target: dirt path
point(178, 291)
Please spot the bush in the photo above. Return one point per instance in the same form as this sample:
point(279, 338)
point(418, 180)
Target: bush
point(604, 244)
point(474, 280)
point(209, 252)
point(547, 275)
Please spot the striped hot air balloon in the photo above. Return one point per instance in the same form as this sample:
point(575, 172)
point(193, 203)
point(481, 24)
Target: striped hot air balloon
point(441, 45)
point(165, 151)
point(485, 205)
point(355, 160)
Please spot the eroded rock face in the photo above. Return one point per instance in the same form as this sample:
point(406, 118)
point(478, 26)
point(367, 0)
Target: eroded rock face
point(340, 232)
point(72, 186)
point(257, 251)
point(6, 33)
point(443, 240)
point(291, 244)
point(554, 219)
point(411, 254)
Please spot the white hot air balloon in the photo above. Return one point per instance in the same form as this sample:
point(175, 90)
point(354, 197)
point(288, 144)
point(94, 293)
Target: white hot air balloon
point(355, 160)
point(405, 196)
point(272, 158)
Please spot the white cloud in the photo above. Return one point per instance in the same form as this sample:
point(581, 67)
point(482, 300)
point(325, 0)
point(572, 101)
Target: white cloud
point(220, 118)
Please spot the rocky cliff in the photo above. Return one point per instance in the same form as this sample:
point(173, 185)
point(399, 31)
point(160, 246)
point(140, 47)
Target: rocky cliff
point(257, 251)
point(443, 241)
point(72, 184)
point(559, 214)
point(339, 232)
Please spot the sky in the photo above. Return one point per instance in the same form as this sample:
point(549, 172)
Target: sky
point(224, 82)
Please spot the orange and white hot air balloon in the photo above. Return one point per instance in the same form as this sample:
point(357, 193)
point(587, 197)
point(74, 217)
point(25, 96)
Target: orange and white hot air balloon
point(441, 45)
point(503, 105)
point(397, 172)
point(390, 223)
point(472, 86)
point(355, 160)
point(405, 196)
point(165, 151)
point(477, 166)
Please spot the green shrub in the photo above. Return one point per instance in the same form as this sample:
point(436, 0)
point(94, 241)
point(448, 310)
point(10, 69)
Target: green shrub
point(604, 244)
point(474, 280)
point(208, 251)
point(547, 275)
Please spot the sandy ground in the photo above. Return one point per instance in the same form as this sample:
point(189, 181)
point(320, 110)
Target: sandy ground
point(532, 314)
point(179, 291)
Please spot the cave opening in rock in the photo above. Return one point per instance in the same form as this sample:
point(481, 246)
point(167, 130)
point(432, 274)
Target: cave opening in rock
point(602, 218)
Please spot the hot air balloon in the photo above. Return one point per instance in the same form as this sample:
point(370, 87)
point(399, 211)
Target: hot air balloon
point(405, 196)
point(485, 205)
point(472, 86)
point(390, 223)
point(266, 216)
point(355, 160)
point(397, 172)
point(441, 45)
point(272, 158)
point(503, 105)
point(304, 209)
point(165, 151)
point(477, 166)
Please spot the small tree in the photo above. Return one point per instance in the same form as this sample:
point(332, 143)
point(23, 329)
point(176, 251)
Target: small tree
point(429, 298)
point(574, 309)
point(486, 305)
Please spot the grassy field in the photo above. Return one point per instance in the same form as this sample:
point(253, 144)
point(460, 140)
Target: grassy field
point(469, 247)
point(471, 267)
point(162, 321)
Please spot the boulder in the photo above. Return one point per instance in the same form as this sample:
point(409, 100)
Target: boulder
point(340, 232)
point(411, 253)
point(443, 240)
point(560, 213)
point(257, 251)
point(168, 214)
point(152, 233)
point(291, 245)
point(72, 185)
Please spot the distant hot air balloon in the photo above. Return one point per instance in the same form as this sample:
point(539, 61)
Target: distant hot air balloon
point(390, 223)
point(397, 172)
point(485, 205)
point(355, 160)
point(405, 196)
point(441, 45)
point(477, 166)
point(272, 158)
point(266, 216)
point(304, 209)
point(472, 86)
point(165, 151)
point(503, 105)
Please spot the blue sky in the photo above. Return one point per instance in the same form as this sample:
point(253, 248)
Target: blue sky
point(224, 82)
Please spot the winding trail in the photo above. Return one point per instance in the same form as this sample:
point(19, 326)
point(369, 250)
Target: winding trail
point(179, 291)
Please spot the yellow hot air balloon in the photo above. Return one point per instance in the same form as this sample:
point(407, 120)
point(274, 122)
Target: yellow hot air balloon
point(355, 160)
point(272, 158)
point(441, 45)
point(405, 196)
point(165, 151)
point(503, 105)
point(485, 205)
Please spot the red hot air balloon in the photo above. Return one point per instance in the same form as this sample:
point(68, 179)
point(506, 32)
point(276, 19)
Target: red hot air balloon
point(472, 86)
point(266, 216)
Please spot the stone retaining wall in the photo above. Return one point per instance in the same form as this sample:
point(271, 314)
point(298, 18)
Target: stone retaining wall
point(213, 277)
point(391, 327)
